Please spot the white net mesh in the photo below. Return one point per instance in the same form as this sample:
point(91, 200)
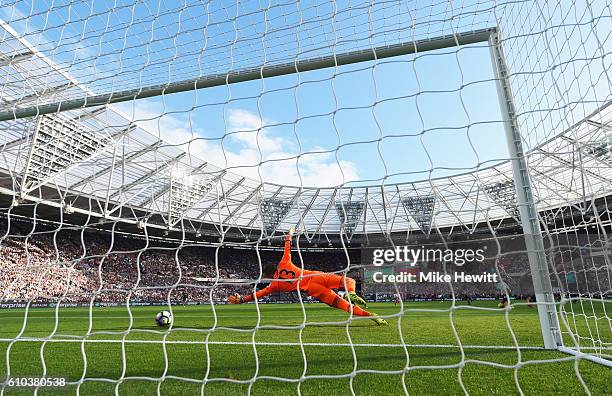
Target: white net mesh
point(153, 155)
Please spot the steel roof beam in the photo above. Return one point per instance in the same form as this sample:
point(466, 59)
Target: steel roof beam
point(222, 198)
point(79, 118)
point(37, 95)
point(9, 60)
point(329, 205)
point(569, 164)
point(168, 186)
point(596, 124)
point(127, 161)
point(16, 142)
point(148, 175)
point(244, 202)
point(250, 223)
point(309, 206)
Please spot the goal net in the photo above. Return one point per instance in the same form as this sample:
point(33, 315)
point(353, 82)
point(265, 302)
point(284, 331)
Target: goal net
point(453, 157)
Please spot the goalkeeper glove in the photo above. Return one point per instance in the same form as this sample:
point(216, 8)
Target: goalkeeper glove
point(235, 299)
point(290, 233)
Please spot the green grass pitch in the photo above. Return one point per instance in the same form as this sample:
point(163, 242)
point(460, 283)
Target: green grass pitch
point(199, 347)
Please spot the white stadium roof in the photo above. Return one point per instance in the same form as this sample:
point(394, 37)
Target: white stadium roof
point(99, 154)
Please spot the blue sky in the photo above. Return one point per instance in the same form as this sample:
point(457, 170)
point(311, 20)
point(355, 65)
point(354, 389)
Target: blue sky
point(400, 119)
point(423, 121)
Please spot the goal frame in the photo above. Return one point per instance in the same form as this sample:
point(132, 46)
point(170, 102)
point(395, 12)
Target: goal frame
point(529, 220)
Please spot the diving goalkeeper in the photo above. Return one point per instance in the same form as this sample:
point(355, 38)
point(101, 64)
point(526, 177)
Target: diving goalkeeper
point(316, 283)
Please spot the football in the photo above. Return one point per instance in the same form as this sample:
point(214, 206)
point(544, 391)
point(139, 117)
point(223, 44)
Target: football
point(163, 318)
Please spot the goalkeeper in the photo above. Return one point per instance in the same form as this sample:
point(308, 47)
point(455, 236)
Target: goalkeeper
point(316, 283)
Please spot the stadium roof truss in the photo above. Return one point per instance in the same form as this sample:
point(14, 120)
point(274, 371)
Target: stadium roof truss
point(349, 213)
point(273, 212)
point(602, 149)
point(101, 154)
point(503, 192)
point(184, 192)
point(58, 144)
point(421, 209)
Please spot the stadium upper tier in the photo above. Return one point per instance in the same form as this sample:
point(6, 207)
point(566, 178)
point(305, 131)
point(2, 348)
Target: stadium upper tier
point(95, 160)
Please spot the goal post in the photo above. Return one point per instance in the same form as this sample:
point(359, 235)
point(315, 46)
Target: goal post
point(528, 210)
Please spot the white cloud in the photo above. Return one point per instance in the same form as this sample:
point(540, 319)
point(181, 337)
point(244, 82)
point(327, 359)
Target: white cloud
point(248, 149)
point(248, 128)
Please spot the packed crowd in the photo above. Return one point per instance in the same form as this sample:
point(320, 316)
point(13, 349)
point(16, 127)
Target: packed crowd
point(26, 273)
point(47, 264)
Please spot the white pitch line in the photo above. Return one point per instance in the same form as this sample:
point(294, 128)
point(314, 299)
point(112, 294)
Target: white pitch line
point(263, 343)
point(281, 344)
point(204, 315)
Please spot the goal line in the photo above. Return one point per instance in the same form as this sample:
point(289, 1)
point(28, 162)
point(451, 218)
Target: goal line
point(275, 344)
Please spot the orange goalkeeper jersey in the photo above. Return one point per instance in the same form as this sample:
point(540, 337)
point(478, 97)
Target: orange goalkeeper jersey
point(287, 274)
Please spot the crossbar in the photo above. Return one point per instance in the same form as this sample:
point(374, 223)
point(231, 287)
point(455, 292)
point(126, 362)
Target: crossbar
point(250, 74)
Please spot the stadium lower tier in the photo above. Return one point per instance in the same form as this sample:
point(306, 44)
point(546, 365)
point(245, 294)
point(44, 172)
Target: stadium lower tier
point(43, 264)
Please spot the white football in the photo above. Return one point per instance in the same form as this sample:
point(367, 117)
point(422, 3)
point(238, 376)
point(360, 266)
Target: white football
point(163, 318)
